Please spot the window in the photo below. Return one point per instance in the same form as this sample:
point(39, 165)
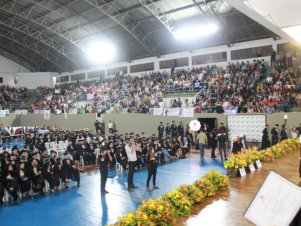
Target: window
point(209, 58)
point(180, 62)
point(64, 79)
point(78, 77)
point(142, 67)
point(116, 71)
point(251, 52)
point(96, 74)
point(1, 80)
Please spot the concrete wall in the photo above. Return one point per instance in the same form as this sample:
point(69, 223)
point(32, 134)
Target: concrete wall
point(136, 123)
point(73, 122)
point(7, 65)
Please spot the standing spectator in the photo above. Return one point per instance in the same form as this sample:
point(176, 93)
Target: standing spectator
point(167, 131)
point(265, 142)
point(213, 138)
point(104, 160)
point(151, 167)
point(299, 129)
point(173, 129)
point(160, 130)
point(274, 133)
point(202, 141)
point(283, 133)
point(294, 133)
point(130, 149)
point(110, 126)
point(181, 131)
point(222, 127)
point(97, 127)
point(221, 141)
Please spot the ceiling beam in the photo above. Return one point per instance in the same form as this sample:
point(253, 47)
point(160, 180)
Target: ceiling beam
point(15, 58)
point(240, 6)
point(109, 8)
point(32, 47)
point(16, 25)
point(30, 15)
point(25, 55)
point(155, 8)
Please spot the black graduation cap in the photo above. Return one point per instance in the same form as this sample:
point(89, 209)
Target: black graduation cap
point(161, 122)
point(277, 124)
point(153, 135)
point(66, 153)
point(173, 121)
point(53, 152)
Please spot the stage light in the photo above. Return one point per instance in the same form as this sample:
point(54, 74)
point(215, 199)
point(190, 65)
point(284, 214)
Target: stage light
point(101, 52)
point(189, 33)
point(294, 32)
point(194, 125)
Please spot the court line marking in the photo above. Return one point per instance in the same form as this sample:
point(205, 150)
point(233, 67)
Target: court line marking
point(183, 174)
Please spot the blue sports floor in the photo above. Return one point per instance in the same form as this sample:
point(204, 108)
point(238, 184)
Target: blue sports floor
point(85, 206)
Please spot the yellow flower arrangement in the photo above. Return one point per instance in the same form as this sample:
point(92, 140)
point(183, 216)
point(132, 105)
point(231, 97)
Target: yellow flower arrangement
point(164, 210)
point(250, 155)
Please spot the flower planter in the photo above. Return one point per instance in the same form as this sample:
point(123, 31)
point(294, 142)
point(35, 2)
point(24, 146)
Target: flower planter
point(257, 164)
point(233, 172)
point(250, 168)
point(242, 172)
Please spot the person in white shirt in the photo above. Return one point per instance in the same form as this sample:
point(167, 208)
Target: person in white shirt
point(130, 149)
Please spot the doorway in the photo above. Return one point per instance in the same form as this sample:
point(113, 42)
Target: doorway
point(210, 121)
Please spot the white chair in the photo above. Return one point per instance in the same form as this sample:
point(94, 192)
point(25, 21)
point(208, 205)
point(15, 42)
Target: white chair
point(47, 146)
point(97, 152)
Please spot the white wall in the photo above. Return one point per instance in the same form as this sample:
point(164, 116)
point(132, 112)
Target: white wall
point(36, 79)
point(7, 65)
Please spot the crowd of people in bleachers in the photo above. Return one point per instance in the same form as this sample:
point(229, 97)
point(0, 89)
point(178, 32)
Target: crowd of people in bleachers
point(247, 86)
point(12, 98)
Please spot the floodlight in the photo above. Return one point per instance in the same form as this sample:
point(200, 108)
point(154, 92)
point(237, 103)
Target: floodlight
point(101, 52)
point(194, 32)
point(294, 32)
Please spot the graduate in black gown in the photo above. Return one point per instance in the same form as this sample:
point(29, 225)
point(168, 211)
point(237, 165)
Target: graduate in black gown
point(274, 133)
point(70, 171)
point(104, 159)
point(265, 142)
point(23, 179)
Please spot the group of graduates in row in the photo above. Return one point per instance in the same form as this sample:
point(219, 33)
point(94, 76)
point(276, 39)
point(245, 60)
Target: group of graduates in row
point(275, 134)
point(25, 173)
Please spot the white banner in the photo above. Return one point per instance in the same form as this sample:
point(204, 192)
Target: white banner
point(38, 112)
point(158, 111)
point(58, 91)
point(58, 111)
point(4, 113)
point(90, 96)
point(172, 111)
point(49, 97)
point(21, 112)
point(187, 112)
point(230, 110)
point(73, 111)
point(47, 114)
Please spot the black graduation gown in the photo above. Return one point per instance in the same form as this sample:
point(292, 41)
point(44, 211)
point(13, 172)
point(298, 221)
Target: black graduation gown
point(265, 142)
point(24, 181)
